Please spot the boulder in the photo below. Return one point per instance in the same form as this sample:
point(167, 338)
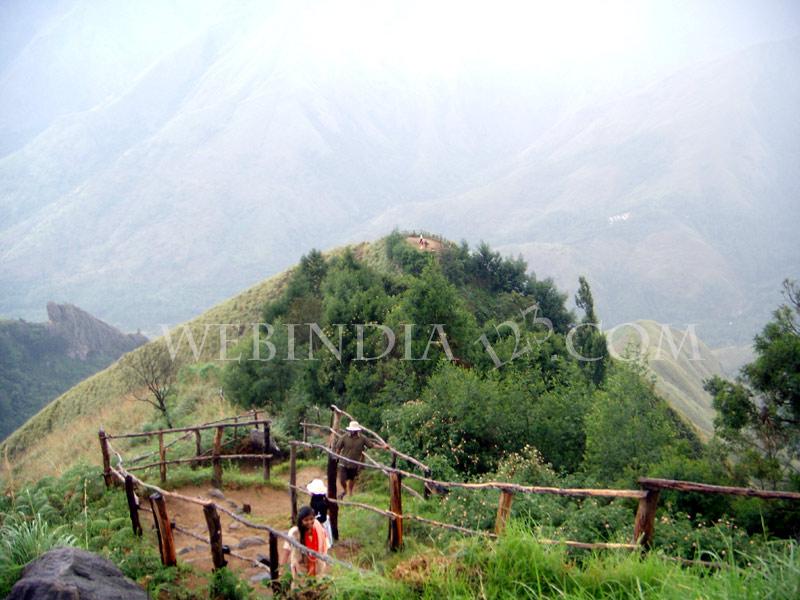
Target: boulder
point(74, 574)
point(257, 443)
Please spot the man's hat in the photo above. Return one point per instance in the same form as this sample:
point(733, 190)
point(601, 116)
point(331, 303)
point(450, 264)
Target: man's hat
point(354, 426)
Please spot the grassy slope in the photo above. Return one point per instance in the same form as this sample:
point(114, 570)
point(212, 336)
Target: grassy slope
point(65, 431)
point(679, 380)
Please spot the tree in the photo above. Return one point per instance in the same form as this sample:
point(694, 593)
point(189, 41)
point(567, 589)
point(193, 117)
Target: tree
point(628, 428)
point(432, 300)
point(758, 415)
point(589, 341)
point(472, 421)
point(153, 367)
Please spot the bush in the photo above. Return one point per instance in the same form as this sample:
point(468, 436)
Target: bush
point(22, 540)
point(225, 585)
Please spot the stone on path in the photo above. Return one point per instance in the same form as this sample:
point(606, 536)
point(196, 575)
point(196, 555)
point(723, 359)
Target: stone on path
point(216, 493)
point(249, 542)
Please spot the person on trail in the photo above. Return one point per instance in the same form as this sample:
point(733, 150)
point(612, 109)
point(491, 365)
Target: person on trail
point(351, 446)
point(310, 533)
point(319, 503)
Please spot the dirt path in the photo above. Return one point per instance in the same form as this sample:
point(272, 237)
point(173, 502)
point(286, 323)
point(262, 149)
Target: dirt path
point(431, 246)
point(268, 506)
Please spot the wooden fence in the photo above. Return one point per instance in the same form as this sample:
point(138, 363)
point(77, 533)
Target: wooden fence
point(644, 522)
point(215, 457)
point(165, 527)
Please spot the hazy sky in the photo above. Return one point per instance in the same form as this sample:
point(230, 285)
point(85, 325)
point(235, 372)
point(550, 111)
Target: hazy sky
point(590, 37)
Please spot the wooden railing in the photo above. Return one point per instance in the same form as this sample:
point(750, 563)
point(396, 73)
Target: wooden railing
point(164, 527)
point(216, 457)
point(644, 523)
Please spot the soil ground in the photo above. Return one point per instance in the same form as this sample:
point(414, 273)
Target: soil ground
point(432, 246)
point(268, 506)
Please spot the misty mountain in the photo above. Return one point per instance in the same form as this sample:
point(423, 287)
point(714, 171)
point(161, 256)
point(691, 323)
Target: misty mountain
point(221, 156)
point(39, 361)
point(679, 200)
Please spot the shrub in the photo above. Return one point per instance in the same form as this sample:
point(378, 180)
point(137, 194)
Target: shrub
point(225, 585)
point(21, 541)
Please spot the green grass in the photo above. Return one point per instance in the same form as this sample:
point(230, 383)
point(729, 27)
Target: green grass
point(516, 566)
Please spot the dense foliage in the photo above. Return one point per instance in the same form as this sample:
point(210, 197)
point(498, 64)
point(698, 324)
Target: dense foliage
point(34, 369)
point(511, 369)
point(462, 357)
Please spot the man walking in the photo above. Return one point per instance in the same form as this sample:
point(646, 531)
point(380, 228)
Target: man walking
point(351, 446)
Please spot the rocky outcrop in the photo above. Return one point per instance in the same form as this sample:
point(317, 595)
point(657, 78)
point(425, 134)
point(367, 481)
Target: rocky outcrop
point(256, 443)
point(74, 574)
point(84, 334)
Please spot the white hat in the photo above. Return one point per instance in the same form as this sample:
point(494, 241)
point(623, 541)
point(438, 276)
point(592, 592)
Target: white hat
point(317, 487)
point(354, 426)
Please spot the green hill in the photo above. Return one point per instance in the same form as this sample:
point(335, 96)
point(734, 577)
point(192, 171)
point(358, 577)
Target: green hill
point(39, 361)
point(473, 293)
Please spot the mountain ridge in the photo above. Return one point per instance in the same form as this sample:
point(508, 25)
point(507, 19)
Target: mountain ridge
point(39, 361)
point(316, 160)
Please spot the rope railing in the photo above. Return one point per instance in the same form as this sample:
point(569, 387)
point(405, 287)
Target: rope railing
point(188, 434)
point(509, 487)
point(647, 497)
point(198, 459)
point(120, 473)
point(215, 457)
point(189, 429)
point(235, 555)
point(392, 515)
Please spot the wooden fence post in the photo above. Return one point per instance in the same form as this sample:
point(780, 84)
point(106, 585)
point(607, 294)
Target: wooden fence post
point(644, 525)
point(336, 417)
point(133, 507)
point(293, 480)
point(214, 535)
point(426, 491)
point(106, 457)
point(333, 507)
point(274, 574)
point(198, 448)
point(166, 544)
point(267, 450)
point(503, 511)
point(396, 506)
point(216, 476)
point(305, 434)
point(235, 429)
point(162, 456)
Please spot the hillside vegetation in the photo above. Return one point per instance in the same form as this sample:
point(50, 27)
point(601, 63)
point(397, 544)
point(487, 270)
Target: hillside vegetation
point(489, 377)
point(39, 361)
point(680, 370)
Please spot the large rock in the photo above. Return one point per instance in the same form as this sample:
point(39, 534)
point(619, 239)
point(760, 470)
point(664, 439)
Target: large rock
point(74, 574)
point(257, 442)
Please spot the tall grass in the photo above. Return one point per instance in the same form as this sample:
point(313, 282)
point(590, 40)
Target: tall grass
point(516, 566)
point(22, 540)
